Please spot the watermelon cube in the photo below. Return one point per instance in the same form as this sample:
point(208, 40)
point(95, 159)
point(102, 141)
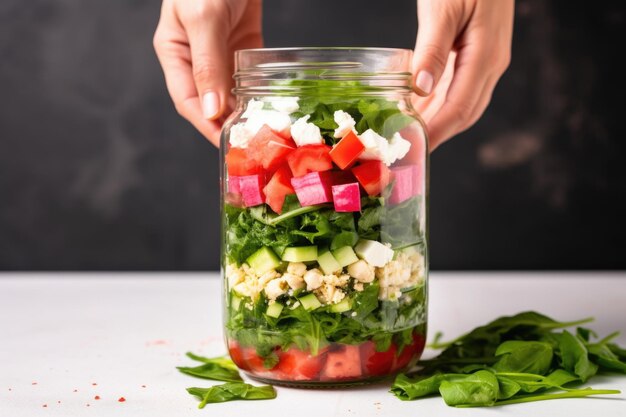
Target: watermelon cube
point(347, 197)
point(251, 188)
point(373, 176)
point(342, 364)
point(313, 188)
point(405, 183)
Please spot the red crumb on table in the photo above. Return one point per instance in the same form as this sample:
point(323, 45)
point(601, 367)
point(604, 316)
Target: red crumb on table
point(122, 399)
point(34, 383)
point(97, 397)
point(75, 390)
point(143, 386)
point(10, 389)
point(59, 402)
point(45, 405)
point(94, 384)
point(157, 342)
point(88, 405)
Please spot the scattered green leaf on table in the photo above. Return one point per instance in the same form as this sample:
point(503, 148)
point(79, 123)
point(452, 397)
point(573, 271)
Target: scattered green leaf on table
point(217, 369)
point(232, 391)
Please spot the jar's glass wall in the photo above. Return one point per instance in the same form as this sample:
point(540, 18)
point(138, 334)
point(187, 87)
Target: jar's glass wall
point(324, 242)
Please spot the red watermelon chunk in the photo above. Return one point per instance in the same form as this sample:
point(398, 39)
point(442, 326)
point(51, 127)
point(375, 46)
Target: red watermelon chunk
point(310, 158)
point(373, 176)
point(251, 187)
point(278, 188)
point(347, 197)
point(313, 188)
point(342, 364)
point(269, 149)
point(405, 183)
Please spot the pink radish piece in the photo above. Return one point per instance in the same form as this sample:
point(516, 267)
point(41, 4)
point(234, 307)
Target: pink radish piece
point(405, 183)
point(347, 197)
point(251, 187)
point(233, 184)
point(313, 188)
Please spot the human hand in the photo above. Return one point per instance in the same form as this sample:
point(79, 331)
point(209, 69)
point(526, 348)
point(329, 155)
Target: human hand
point(195, 41)
point(463, 47)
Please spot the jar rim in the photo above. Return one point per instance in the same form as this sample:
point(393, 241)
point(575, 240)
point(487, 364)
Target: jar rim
point(261, 70)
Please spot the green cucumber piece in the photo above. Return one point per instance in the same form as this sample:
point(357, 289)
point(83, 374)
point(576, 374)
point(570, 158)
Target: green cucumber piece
point(235, 302)
point(274, 310)
point(263, 260)
point(345, 256)
point(328, 263)
point(310, 302)
point(341, 306)
point(300, 254)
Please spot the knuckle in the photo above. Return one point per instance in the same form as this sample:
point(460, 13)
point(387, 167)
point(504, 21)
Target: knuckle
point(205, 11)
point(204, 69)
point(461, 111)
point(436, 54)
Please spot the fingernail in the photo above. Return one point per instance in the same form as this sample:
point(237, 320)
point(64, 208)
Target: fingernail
point(210, 104)
point(424, 81)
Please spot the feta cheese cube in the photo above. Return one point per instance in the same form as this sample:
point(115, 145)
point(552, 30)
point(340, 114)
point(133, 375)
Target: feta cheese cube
point(304, 133)
point(398, 147)
point(376, 146)
point(277, 121)
point(373, 252)
point(252, 107)
point(346, 123)
point(239, 136)
point(285, 105)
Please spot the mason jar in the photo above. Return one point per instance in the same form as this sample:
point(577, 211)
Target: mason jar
point(324, 203)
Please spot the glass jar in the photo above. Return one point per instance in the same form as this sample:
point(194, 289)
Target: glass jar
point(324, 202)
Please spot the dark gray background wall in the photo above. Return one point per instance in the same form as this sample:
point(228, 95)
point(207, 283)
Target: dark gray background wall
point(98, 172)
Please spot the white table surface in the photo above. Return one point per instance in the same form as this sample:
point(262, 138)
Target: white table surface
point(61, 334)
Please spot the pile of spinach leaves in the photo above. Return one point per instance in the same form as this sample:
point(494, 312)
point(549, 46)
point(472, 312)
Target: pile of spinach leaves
point(514, 359)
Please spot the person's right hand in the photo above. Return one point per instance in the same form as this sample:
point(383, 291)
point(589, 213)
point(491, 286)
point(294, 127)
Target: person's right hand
point(195, 41)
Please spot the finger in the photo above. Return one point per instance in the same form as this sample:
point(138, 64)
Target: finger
point(174, 57)
point(207, 31)
point(435, 38)
point(461, 99)
point(428, 106)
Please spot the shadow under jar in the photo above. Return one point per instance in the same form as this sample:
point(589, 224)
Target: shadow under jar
point(324, 203)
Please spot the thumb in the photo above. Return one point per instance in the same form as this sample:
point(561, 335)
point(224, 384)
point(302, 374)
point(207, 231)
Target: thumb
point(209, 60)
point(435, 37)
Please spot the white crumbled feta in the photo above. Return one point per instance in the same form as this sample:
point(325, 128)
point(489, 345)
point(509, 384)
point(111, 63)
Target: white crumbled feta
point(296, 268)
point(373, 252)
point(286, 105)
point(398, 148)
point(304, 133)
point(346, 123)
point(295, 281)
point(313, 278)
point(329, 294)
point(277, 121)
point(240, 136)
point(376, 146)
point(358, 286)
point(252, 107)
point(361, 271)
point(407, 270)
point(275, 288)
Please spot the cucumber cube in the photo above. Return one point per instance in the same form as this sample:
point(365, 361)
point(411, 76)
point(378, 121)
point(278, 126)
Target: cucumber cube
point(345, 256)
point(300, 254)
point(235, 302)
point(328, 263)
point(263, 260)
point(310, 302)
point(274, 310)
point(341, 306)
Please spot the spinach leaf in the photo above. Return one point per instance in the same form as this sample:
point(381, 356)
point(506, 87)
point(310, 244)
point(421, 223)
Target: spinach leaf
point(217, 369)
point(575, 357)
point(478, 389)
point(524, 356)
point(406, 388)
point(232, 391)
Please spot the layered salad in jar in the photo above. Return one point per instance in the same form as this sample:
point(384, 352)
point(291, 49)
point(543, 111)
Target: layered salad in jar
point(324, 247)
